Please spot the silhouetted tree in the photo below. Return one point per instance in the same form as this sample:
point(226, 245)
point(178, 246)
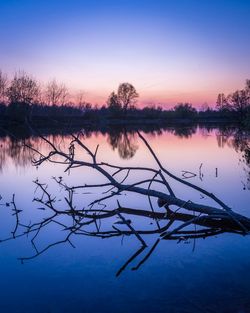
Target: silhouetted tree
point(204, 107)
point(239, 102)
point(23, 89)
point(221, 102)
point(184, 110)
point(126, 95)
point(152, 112)
point(113, 104)
point(55, 93)
point(80, 98)
point(22, 92)
point(3, 87)
point(247, 87)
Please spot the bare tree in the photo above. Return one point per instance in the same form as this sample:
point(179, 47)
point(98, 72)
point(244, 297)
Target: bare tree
point(239, 101)
point(79, 99)
point(56, 93)
point(221, 102)
point(3, 86)
point(23, 89)
point(204, 107)
point(247, 88)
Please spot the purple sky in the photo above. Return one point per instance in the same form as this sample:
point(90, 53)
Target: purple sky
point(172, 51)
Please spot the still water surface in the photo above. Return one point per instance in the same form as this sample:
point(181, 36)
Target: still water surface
point(208, 275)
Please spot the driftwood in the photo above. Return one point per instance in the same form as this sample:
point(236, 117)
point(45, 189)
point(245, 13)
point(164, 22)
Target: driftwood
point(172, 216)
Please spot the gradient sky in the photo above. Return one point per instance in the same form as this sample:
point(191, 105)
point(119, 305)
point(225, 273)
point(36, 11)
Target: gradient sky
point(172, 51)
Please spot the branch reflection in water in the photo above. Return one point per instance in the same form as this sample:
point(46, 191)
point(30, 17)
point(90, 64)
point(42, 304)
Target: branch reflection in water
point(171, 218)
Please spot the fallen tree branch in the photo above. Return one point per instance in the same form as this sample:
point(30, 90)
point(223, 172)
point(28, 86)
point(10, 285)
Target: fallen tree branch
point(87, 220)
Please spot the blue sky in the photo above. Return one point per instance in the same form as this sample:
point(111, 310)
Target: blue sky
point(182, 50)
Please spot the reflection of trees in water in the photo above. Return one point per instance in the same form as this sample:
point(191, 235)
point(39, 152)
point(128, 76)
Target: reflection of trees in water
point(19, 153)
point(241, 143)
point(239, 140)
point(168, 217)
point(2, 154)
point(206, 131)
point(17, 149)
point(14, 147)
point(124, 142)
point(184, 132)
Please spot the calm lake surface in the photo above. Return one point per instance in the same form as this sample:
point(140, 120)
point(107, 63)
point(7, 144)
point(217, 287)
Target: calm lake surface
point(202, 275)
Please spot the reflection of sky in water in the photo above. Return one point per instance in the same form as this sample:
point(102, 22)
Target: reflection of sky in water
point(213, 278)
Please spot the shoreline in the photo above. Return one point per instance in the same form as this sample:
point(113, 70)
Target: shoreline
point(66, 127)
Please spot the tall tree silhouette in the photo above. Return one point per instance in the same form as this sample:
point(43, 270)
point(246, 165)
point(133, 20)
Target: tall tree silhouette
point(127, 95)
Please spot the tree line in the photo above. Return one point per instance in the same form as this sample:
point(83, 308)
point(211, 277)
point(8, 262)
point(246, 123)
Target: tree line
point(236, 102)
point(23, 98)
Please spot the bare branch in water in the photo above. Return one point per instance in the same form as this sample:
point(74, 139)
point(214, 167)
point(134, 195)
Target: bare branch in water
point(87, 220)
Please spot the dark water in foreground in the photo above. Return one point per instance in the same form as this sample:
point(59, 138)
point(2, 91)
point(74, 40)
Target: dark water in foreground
point(202, 275)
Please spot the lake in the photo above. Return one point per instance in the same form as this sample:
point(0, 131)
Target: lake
point(187, 275)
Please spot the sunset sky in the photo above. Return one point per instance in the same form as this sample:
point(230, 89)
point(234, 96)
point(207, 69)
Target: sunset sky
point(171, 51)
